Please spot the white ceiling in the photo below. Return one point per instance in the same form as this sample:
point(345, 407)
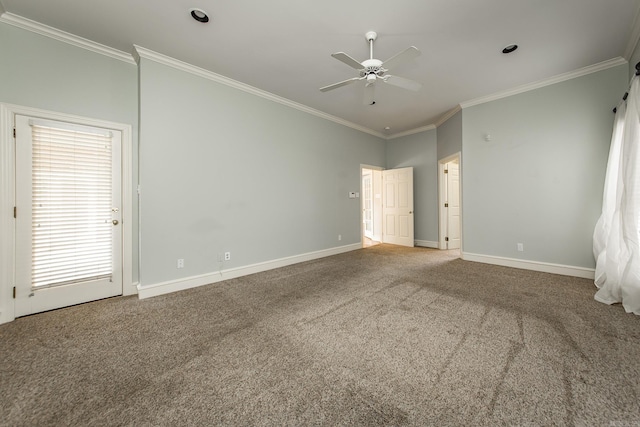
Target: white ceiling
point(284, 46)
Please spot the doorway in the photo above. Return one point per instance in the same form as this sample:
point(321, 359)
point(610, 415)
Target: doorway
point(371, 190)
point(68, 233)
point(47, 185)
point(387, 206)
point(450, 206)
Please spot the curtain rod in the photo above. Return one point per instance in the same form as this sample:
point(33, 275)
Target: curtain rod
point(626, 94)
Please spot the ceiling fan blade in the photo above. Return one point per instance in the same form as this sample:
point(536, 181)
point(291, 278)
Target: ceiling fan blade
point(341, 56)
point(402, 57)
point(339, 84)
point(402, 82)
point(369, 94)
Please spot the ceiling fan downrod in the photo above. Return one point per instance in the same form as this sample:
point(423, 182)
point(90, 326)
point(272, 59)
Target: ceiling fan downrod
point(372, 67)
point(371, 36)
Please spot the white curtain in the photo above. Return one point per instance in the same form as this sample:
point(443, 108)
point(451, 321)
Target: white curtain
point(616, 239)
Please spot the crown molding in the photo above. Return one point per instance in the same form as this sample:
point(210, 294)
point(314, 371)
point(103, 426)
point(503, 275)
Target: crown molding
point(547, 82)
point(635, 36)
point(45, 30)
point(446, 116)
point(141, 52)
point(411, 132)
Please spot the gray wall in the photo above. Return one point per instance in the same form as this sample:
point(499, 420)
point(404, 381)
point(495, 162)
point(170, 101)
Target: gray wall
point(540, 180)
point(420, 152)
point(450, 136)
point(40, 72)
point(224, 170)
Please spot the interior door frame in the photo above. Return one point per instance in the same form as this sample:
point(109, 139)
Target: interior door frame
point(442, 191)
point(7, 198)
point(364, 194)
point(375, 168)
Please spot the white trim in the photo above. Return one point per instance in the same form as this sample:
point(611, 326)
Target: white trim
point(147, 291)
point(441, 199)
point(72, 39)
point(426, 244)
point(411, 132)
point(547, 82)
point(441, 192)
point(7, 197)
point(377, 238)
point(127, 211)
point(546, 267)
point(633, 39)
point(142, 52)
point(7, 202)
point(446, 116)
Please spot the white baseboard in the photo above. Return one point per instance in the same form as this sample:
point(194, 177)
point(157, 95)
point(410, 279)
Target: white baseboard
point(426, 244)
point(147, 291)
point(130, 289)
point(565, 270)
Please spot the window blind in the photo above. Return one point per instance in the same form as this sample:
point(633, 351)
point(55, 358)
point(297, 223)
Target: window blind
point(71, 206)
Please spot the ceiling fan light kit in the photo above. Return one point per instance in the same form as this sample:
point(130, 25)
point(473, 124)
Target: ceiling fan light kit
point(371, 70)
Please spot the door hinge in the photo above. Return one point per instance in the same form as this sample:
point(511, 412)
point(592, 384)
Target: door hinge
point(446, 205)
point(446, 171)
point(446, 239)
point(14, 292)
point(14, 132)
point(15, 210)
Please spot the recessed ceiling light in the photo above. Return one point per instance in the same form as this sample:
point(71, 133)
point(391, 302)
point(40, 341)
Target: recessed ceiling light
point(199, 15)
point(387, 128)
point(510, 48)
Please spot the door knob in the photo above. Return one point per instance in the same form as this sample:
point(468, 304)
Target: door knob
point(115, 222)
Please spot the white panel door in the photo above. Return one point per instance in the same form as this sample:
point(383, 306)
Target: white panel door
point(453, 211)
point(397, 208)
point(68, 233)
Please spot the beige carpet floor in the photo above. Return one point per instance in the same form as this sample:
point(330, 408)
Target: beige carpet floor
point(380, 336)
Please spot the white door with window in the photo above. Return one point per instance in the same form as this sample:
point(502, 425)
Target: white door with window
point(68, 214)
point(397, 208)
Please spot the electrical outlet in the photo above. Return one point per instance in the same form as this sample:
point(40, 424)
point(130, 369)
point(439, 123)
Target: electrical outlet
point(339, 236)
point(180, 263)
point(520, 247)
point(227, 256)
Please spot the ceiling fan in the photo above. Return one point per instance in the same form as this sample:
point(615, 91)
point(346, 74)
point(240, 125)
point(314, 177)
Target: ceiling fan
point(371, 70)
